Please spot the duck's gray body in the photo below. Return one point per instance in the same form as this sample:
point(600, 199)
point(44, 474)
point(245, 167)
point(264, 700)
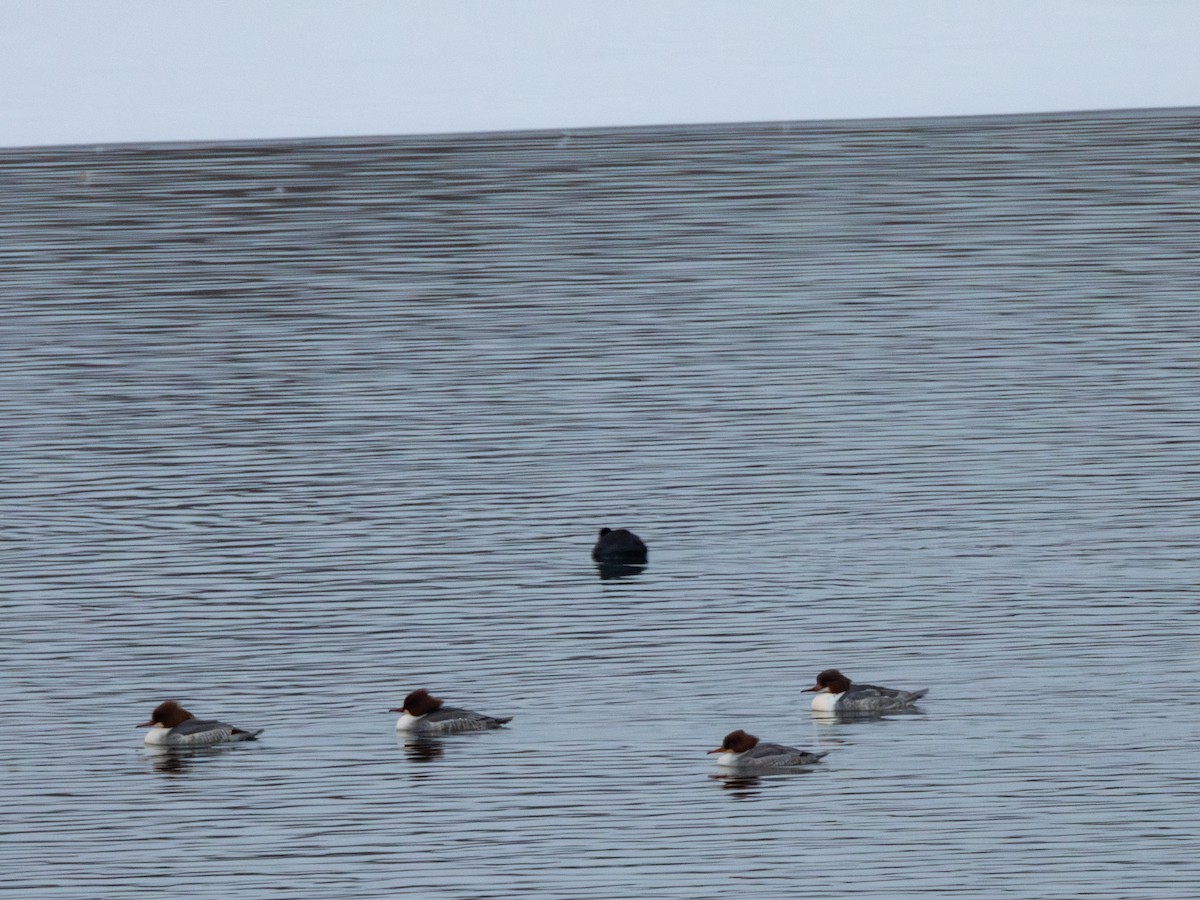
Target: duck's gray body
point(200, 733)
point(771, 756)
point(449, 720)
point(870, 698)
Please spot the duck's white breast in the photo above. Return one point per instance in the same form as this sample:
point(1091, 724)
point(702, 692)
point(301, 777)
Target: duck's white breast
point(408, 722)
point(825, 701)
point(157, 736)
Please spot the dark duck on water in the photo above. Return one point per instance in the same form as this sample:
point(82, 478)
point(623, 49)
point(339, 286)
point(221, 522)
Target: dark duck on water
point(619, 545)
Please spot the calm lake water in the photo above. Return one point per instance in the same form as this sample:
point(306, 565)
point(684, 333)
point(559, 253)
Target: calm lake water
point(292, 429)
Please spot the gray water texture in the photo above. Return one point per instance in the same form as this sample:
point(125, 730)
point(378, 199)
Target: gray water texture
point(291, 429)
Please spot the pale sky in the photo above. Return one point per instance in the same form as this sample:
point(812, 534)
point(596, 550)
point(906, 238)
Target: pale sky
point(105, 71)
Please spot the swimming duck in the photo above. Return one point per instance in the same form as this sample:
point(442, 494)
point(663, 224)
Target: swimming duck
point(836, 693)
point(426, 714)
point(740, 750)
point(172, 725)
point(619, 545)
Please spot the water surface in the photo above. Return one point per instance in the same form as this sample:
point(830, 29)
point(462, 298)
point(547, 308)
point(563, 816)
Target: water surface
point(292, 429)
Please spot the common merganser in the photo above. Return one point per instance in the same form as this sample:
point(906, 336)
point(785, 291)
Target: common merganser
point(740, 750)
point(835, 693)
point(425, 714)
point(619, 545)
point(172, 725)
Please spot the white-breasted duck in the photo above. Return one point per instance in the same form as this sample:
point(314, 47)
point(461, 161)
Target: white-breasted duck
point(740, 750)
point(173, 726)
point(837, 693)
point(425, 714)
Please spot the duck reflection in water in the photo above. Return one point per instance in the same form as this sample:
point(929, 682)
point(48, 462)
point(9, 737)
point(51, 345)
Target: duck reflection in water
point(178, 760)
point(612, 571)
point(825, 719)
point(422, 749)
point(740, 787)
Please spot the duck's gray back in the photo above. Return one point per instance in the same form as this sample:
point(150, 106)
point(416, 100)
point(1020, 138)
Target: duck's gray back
point(451, 719)
point(778, 756)
point(198, 732)
point(872, 698)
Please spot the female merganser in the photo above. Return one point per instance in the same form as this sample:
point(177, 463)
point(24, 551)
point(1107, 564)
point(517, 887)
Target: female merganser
point(619, 546)
point(172, 725)
point(835, 693)
point(744, 751)
point(425, 714)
